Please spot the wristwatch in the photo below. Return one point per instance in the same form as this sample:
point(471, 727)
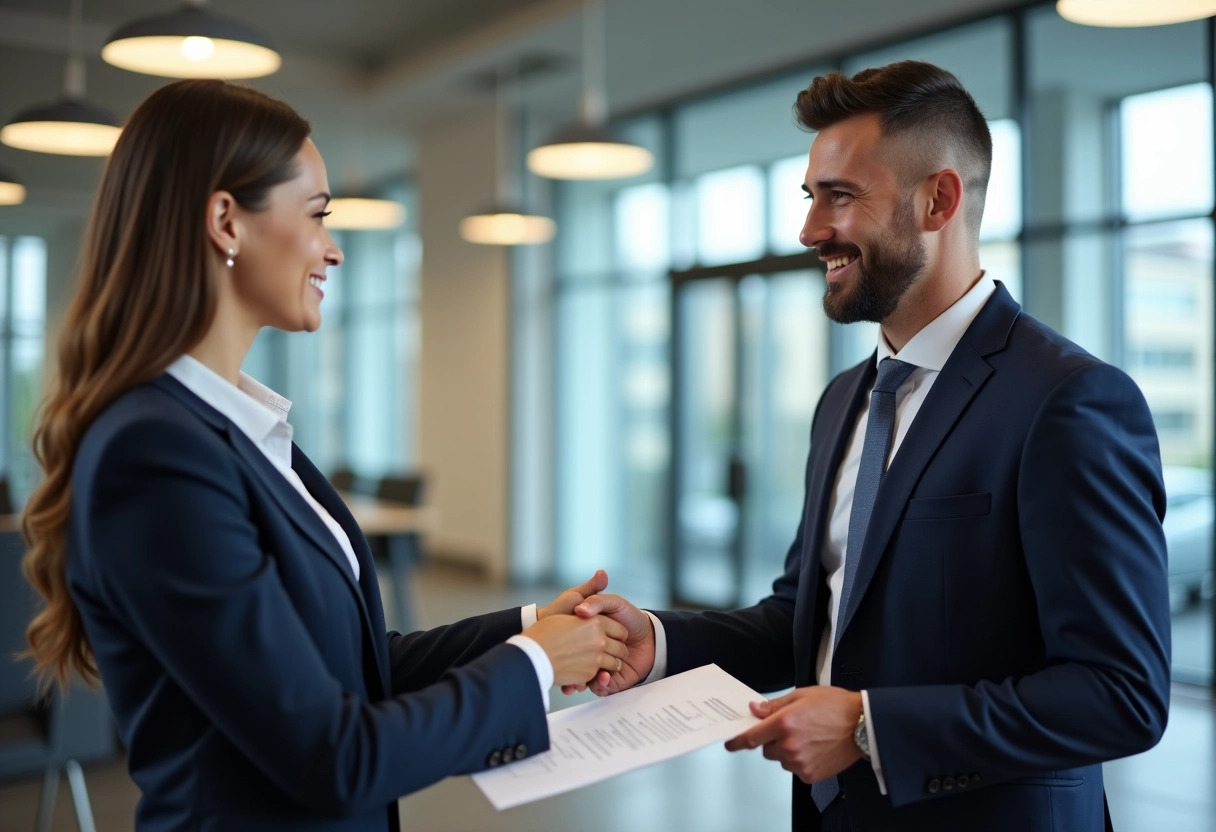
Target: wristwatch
point(861, 736)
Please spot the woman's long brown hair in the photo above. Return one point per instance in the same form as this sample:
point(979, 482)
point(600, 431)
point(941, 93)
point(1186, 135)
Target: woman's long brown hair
point(146, 295)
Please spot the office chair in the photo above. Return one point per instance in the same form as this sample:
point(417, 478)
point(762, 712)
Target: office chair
point(37, 732)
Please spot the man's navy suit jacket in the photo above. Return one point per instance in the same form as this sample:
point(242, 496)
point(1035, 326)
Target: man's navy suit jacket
point(250, 673)
point(1010, 613)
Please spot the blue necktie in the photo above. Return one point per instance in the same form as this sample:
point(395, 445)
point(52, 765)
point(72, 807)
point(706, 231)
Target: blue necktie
point(874, 451)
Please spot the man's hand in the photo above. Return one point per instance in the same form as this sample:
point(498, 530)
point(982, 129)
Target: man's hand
point(809, 731)
point(637, 665)
point(565, 603)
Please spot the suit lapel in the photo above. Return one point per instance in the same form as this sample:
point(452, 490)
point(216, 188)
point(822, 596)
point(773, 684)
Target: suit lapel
point(369, 599)
point(302, 515)
point(840, 414)
point(964, 373)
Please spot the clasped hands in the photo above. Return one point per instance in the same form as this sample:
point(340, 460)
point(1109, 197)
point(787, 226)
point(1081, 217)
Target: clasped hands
point(809, 730)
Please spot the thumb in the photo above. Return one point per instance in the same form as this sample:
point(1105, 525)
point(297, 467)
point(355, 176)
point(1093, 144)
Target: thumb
point(597, 583)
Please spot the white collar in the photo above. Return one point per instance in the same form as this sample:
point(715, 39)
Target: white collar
point(251, 406)
point(931, 347)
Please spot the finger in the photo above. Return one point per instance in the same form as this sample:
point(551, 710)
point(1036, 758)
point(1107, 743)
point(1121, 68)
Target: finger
point(617, 648)
point(614, 629)
point(601, 604)
point(771, 706)
point(759, 734)
point(611, 663)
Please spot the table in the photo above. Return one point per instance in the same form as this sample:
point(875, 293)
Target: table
point(396, 528)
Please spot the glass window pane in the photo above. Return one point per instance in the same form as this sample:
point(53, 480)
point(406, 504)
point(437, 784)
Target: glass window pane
point(587, 241)
point(29, 285)
point(787, 204)
point(1167, 171)
point(730, 215)
point(1168, 351)
point(613, 452)
point(1077, 75)
point(755, 125)
point(1003, 201)
point(643, 235)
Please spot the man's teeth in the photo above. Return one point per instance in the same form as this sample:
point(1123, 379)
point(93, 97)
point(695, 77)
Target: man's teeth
point(838, 262)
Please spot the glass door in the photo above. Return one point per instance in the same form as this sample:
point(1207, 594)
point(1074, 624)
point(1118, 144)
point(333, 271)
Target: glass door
point(751, 358)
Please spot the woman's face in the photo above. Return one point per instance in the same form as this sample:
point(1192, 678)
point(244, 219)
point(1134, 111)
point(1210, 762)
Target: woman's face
point(285, 250)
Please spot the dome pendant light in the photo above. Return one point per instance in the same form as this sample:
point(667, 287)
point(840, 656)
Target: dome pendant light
point(364, 214)
point(70, 126)
point(12, 192)
point(191, 43)
point(1134, 12)
point(590, 150)
point(504, 223)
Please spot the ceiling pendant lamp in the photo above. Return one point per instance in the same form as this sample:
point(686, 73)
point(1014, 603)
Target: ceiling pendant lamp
point(1134, 12)
point(191, 43)
point(364, 214)
point(12, 192)
point(504, 223)
point(70, 126)
point(590, 150)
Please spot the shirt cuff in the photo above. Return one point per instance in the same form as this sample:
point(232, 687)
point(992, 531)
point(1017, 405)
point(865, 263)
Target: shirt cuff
point(873, 735)
point(527, 616)
point(659, 669)
point(540, 663)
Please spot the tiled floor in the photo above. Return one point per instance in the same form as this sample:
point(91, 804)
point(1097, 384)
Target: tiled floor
point(1169, 789)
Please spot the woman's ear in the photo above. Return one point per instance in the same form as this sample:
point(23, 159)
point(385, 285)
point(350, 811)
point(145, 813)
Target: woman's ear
point(223, 227)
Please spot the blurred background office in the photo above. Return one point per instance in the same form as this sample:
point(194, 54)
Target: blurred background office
point(634, 393)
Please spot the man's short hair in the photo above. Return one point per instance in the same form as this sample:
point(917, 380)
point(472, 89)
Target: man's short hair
point(936, 120)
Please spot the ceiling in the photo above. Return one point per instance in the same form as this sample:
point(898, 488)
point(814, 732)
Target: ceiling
point(371, 74)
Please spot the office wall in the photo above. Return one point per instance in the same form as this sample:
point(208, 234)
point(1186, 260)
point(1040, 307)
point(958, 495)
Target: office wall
point(463, 385)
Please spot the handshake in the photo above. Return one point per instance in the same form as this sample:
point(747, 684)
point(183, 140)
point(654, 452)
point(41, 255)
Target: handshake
point(594, 640)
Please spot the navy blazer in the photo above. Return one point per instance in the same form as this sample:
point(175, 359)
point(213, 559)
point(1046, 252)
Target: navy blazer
point(249, 672)
point(1010, 615)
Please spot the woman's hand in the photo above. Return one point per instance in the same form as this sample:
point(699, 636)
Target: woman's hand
point(565, 603)
point(579, 648)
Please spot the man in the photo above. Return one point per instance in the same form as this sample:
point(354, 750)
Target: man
point(974, 611)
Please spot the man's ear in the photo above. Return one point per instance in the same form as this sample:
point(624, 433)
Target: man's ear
point(223, 225)
point(945, 197)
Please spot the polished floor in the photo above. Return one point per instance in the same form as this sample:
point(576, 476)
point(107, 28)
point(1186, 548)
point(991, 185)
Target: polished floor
point(1171, 788)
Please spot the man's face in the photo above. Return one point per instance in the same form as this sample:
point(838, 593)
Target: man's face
point(863, 226)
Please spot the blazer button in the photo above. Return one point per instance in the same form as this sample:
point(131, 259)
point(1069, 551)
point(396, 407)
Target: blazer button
point(495, 758)
point(963, 781)
point(975, 778)
point(948, 783)
point(508, 754)
point(934, 786)
point(521, 751)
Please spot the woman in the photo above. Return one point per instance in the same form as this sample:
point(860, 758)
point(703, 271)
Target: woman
point(196, 559)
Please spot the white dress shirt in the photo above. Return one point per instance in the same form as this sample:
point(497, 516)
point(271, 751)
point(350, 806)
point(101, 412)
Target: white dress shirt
point(261, 414)
point(928, 350)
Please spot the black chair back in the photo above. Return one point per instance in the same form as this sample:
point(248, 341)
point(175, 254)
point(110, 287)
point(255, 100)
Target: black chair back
point(409, 489)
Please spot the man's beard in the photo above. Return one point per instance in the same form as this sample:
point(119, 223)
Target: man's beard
point(889, 268)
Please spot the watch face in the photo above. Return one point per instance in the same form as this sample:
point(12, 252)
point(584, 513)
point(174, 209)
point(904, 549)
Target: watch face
point(861, 736)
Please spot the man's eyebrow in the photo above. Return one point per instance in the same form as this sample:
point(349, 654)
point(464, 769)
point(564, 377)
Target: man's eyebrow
point(835, 185)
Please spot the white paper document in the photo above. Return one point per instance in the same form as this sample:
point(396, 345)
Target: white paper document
point(610, 736)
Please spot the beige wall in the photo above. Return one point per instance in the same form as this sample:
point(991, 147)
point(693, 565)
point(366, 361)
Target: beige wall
point(463, 390)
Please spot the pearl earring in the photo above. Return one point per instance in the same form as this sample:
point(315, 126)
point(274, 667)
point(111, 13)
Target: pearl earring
point(231, 261)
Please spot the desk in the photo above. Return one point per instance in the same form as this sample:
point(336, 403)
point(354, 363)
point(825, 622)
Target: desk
point(395, 527)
